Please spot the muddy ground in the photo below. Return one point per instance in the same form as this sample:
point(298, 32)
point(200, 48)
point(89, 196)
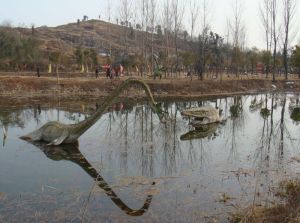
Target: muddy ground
point(73, 93)
point(183, 88)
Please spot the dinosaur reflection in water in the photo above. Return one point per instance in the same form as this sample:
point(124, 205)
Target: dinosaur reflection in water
point(71, 153)
point(56, 133)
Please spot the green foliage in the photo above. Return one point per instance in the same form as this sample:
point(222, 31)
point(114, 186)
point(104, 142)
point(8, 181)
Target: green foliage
point(54, 57)
point(265, 113)
point(265, 57)
point(252, 58)
point(236, 56)
point(188, 58)
point(295, 59)
point(93, 56)
point(17, 49)
point(211, 50)
point(295, 116)
point(235, 111)
point(79, 55)
point(84, 56)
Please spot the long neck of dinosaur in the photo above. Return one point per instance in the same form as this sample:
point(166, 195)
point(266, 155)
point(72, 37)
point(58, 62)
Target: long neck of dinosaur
point(83, 126)
point(89, 169)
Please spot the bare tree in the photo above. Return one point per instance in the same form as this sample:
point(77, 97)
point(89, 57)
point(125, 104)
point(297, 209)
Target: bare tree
point(275, 35)
point(125, 15)
point(194, 13)
point(238, 34)
point(289, 9)
point(125, 10)
point(108, 25)
point(203, 38)
point(152, 24)
point(266, 22)
point(177, 14)
point(167, 26)
point(144, 20)
point(108, 10)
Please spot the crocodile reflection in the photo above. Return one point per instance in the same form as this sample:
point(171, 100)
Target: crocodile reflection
point(71, 152)
point(201, 132)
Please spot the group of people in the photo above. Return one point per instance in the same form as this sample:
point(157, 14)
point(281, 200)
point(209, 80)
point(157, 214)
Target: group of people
point(112, 71)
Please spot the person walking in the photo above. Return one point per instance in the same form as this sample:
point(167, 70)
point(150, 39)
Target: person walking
point(38, 71)
point(97, 72)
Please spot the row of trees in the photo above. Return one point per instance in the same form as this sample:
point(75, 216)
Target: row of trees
point(228, 51)
point(23, 52)
point(163, 41)
point(15, 49)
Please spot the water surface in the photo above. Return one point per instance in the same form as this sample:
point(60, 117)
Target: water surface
point(146, 170)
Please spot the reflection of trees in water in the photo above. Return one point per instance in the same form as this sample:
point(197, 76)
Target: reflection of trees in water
point(272, 133)
point(273, 137)
point(146, 150)
point(171, 148)
point(18, 118)
point(136, 130)
point(133, 131)
point(274, 130)
point(262, 155)
point(236, 124)
point(294, 109)
point(150, 140)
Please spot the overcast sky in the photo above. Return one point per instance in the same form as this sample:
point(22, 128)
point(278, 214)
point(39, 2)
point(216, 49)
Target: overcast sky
point(58, 12)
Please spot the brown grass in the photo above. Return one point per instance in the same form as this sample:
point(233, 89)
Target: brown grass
point(184, 88)
point(287, 212)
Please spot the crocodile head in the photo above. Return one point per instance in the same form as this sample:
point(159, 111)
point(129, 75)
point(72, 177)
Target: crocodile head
point(203, 115)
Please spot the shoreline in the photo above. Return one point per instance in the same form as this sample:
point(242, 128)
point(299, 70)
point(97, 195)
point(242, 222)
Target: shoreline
point(28, 87)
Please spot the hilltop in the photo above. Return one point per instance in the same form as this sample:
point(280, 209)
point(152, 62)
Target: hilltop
point(102, 36)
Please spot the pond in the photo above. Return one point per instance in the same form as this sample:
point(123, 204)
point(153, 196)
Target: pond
point(130, 167)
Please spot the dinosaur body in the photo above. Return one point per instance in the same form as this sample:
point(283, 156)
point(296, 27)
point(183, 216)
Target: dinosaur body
point(56, 133)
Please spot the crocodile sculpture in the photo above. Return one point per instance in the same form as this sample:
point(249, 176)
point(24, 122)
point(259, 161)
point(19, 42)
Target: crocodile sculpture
point(202, 115)
point(56, 133)
point(72, 153)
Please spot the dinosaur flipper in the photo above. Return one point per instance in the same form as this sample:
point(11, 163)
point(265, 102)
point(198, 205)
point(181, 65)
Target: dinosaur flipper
point(59, 140)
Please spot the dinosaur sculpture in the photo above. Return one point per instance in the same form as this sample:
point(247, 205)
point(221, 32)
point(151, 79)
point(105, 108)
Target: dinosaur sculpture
point(71, 152)
point(56, 133)
point(202, 115)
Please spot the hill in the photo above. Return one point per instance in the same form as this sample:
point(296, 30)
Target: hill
point(88, 43)
point(102, 36)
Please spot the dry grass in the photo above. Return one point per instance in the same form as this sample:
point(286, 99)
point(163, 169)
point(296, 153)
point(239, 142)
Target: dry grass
point(183, 88)
point(287, 212)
